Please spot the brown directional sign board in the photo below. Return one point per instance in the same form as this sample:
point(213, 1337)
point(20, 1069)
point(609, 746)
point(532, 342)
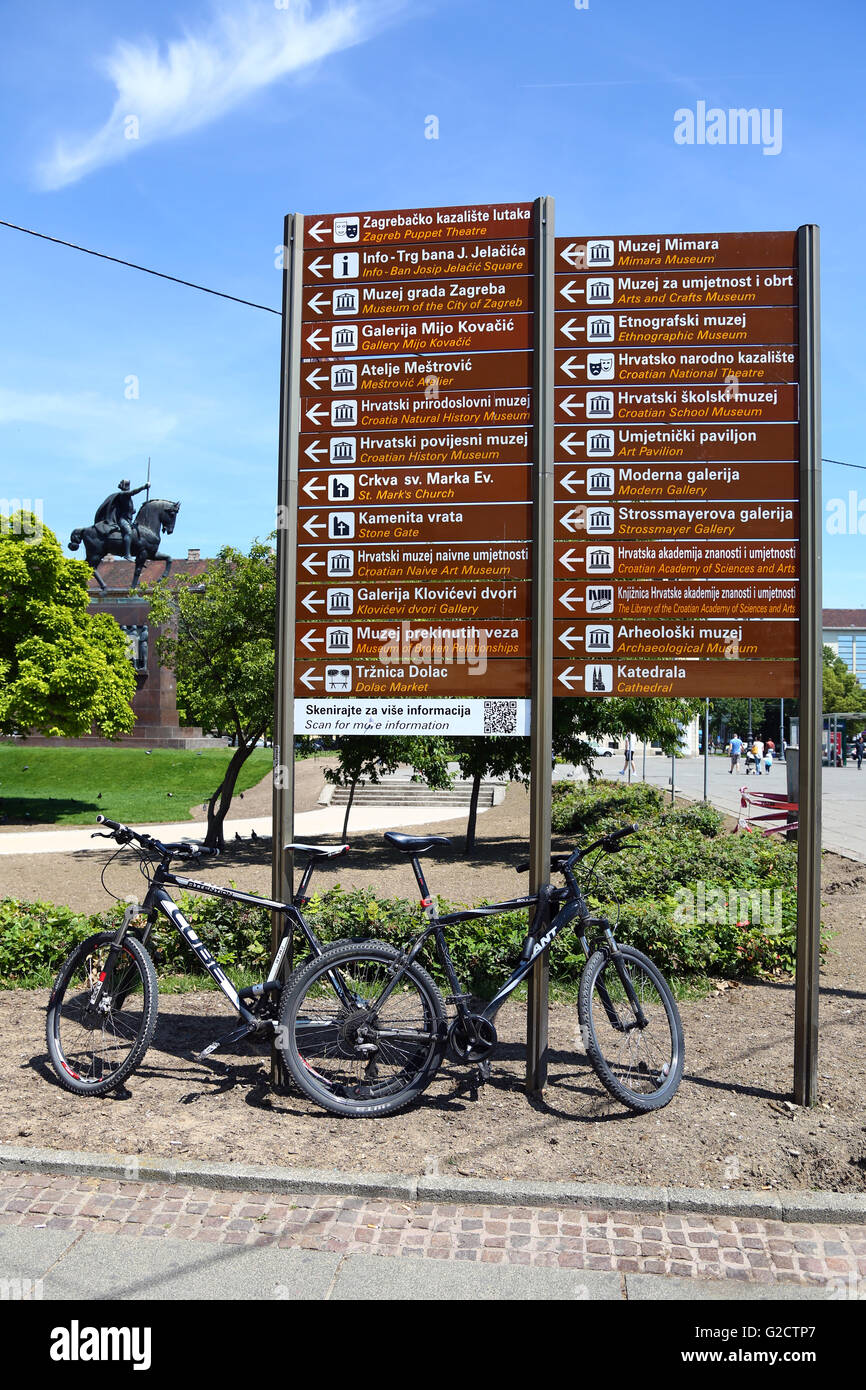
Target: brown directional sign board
point(676, 465)
point(415, 452)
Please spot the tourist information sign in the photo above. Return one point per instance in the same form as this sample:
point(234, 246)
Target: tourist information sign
point(415, 448)
point(677, 458)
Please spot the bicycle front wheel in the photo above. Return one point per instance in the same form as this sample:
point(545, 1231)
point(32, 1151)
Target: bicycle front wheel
point(636, 1052)
point(349, 1050)
point(100, 1022)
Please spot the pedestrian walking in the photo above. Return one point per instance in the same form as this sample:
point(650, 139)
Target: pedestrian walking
point(768, 758)
point(859, 745)
point(758, 753)
point(735, 748)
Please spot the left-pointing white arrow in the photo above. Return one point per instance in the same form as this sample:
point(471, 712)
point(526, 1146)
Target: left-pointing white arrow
point(570, 560)
point(310, 679)
point(317, 379)
point(572, 329)
point(318, 266)
point(571, 366)
point(572, 291)
point(567, 638)
point(318, 230)
point(312, 563)
point(575, 255)
point(569, 442)
point(569, 481)
point(313, 450)
point(317, 301)
point(569, 677)
point(570, 599)
point(317, 338)
point(313, 488)
point(317, 412)
point(568, 404)
point(574, 520)
point(313, 525)
point(311, 642)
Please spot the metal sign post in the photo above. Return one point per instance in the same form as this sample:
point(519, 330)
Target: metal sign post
point(541, 785)
point(809, 797)
point(287, 499)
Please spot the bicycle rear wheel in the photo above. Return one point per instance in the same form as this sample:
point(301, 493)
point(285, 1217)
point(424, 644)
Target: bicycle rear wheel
point(350, 1054)
point(640, 1064)
point(95, 1047)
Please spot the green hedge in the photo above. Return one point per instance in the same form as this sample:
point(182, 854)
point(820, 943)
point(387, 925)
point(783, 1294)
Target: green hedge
point(642, 889)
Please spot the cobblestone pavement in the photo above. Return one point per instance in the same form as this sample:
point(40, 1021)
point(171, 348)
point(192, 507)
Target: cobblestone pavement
point(828, 1258)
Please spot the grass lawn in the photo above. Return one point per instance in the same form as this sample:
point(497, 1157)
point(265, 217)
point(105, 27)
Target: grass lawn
point(61, 785)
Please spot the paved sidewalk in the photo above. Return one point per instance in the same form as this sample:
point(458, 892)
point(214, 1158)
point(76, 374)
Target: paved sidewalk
point(100, 1238)
point(308, 826)
point(843, 799)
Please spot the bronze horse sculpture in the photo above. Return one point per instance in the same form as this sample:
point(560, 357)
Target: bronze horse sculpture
point(153, 518)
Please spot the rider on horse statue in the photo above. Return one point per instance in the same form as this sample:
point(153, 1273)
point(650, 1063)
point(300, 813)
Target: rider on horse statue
point(117, 510)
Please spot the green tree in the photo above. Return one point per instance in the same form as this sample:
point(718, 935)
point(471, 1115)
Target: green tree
point(478, 758)
point(63, 672)
point(731, 716)
point(651, 719)
point(843, 693)
point(366, 759)
point(219, 641)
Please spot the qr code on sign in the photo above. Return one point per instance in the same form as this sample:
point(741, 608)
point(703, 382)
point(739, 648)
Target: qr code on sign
point(500, 716)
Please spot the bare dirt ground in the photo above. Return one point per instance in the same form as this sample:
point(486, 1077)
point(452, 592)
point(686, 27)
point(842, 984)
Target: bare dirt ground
point(727, 1125)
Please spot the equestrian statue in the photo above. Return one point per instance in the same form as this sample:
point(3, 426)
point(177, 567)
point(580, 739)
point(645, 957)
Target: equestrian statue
point(115, 532)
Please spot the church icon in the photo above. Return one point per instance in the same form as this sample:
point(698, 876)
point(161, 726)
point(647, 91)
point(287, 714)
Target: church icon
point(343, 449)
point(341, 563)
point(599, 253)
point(344, 337)
point(345, 301)
point(341, 525)
point(344, 377)
point(338, 639)
point(339, 601)
point(600, 521)
point(599, 638)
point(600, 328)
point(599, 482)
point(600, 443)
point(341, 487)
point(344, 413)
point(598, 680)
point(599, 291)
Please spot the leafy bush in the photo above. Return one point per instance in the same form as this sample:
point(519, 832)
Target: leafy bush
point(671, 893)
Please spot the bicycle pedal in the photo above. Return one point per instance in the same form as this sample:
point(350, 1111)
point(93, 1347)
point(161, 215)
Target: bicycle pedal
point(482, 1073)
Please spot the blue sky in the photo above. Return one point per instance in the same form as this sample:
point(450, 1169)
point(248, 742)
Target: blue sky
point(248, 111)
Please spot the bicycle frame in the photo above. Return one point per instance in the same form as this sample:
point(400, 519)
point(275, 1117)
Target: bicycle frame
point(574, 907)
point(158, 900)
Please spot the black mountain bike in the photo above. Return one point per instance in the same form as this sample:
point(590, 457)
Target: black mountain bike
point(379, 1053)
point(102, 1009)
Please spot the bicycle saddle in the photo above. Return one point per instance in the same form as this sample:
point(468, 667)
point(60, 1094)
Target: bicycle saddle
point(415, 844)
point(320, 851)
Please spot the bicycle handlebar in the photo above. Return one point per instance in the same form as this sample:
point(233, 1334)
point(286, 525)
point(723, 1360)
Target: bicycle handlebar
point(560, 862)
point(179, 849)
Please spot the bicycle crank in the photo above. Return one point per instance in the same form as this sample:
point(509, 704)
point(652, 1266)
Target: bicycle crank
point(472, 1038)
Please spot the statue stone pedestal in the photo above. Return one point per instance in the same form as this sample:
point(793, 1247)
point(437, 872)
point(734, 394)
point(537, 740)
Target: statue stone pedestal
point(154, 703)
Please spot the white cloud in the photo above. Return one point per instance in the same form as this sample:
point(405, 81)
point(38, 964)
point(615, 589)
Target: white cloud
point(98, 429)
point(201, 76)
